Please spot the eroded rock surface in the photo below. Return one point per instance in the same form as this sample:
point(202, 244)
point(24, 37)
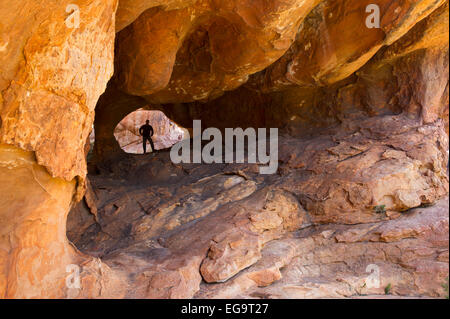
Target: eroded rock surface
point(52, 77)
point(201, 50)
point(363, 148)
point(183, 229)
point(34, 250)
point(336, 261)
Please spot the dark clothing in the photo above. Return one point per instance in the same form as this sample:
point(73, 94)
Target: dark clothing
point(144, 144)
point(147, 132)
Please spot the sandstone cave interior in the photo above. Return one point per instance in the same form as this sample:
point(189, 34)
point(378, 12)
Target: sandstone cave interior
point(362, 175)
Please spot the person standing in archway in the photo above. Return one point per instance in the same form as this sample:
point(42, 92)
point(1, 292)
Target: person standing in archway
point(146, 131)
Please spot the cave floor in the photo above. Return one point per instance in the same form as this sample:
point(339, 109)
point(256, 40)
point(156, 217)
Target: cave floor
point(309, 231)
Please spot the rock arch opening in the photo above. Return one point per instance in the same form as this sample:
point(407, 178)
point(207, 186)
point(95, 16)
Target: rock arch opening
point(166, 132)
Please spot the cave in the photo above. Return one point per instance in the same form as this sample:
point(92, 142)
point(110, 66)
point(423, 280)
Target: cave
point(359, 113)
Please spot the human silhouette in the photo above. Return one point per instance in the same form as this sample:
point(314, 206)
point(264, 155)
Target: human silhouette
point(146, 131)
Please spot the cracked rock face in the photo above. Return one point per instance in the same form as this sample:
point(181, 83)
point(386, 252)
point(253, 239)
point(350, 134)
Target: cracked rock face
point(362, 177)
point(50, 80)
point(53, 77)
point(332, 261)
